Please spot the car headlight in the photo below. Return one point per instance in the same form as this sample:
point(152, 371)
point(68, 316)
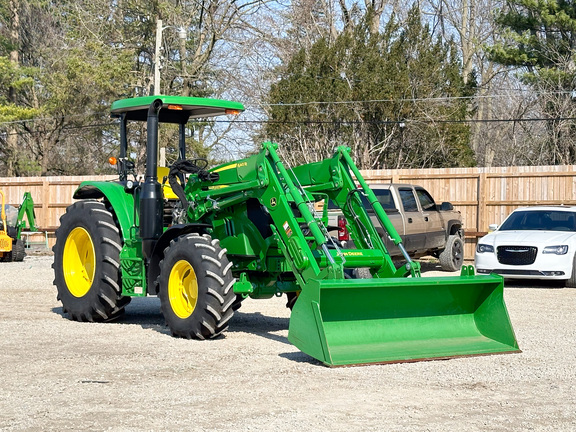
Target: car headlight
point(484, 248)
point(558, 250)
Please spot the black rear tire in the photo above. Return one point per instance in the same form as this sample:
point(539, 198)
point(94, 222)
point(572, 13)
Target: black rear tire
point(195, 284)
point(18, 250)
point(452, 257)
point(87, 263)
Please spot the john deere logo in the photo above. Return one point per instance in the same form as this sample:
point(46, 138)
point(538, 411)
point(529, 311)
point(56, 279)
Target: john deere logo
point(273, 202)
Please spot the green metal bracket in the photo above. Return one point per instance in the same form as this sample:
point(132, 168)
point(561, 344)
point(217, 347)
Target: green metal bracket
point(243, 285)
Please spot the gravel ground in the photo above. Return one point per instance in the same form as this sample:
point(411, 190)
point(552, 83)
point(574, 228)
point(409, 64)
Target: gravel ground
point(131, 375)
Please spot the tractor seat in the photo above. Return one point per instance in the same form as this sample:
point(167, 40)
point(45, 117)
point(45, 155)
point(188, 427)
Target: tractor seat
point(166, 188)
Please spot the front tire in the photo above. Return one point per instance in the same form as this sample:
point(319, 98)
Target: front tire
point(571, 283)
point(452, 257)
point(87, 263)
point(195, 282)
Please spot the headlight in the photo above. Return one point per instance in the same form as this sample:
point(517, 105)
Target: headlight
point(484, 248)
point(558, 250)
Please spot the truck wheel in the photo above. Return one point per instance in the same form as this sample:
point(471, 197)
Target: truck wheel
point(18, 251)
point(452, 257)
point(195, 282)
point(87, 263)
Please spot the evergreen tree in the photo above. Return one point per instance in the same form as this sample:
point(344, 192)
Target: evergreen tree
point(539, 39)
point(398, 79)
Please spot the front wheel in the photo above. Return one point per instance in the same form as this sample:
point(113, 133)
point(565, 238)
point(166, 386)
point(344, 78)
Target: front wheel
point(87, 263)
point(195, 282)
point(452, 257)
point(571, 283)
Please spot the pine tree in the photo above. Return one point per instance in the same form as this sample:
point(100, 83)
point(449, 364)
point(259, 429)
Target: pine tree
point(375, 92)
point(539, 39)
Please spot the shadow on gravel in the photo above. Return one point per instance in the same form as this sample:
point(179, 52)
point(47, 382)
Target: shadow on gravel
point(300, 357)
point(428, 265)
point(533, 284)
point(259, 324)
point(144, 312)
point(266, 326)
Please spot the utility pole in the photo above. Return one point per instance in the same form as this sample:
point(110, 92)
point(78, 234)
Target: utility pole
point(157, 57)
point(182, 35)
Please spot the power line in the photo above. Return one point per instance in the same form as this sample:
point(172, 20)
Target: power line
point(295, 104)
point(406, 122)
point(428, 99)
point(23, 133)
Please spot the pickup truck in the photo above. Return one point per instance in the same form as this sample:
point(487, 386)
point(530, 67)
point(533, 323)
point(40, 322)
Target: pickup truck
point(425, 227)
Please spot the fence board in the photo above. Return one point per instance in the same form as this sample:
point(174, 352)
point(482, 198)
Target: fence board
point(483, 195)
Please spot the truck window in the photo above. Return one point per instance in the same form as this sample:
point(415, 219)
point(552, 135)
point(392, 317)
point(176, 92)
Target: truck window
point(408, 200)
point(426, 200)
point(383, 196)
point(332, 205)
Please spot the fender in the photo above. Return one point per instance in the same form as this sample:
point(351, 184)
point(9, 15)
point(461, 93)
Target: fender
point(454, 226)
point(122, 202)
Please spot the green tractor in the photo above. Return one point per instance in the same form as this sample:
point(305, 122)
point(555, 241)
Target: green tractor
point(205, 239)
point(12, 222)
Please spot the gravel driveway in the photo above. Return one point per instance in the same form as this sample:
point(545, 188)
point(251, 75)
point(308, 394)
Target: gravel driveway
point(131, 375)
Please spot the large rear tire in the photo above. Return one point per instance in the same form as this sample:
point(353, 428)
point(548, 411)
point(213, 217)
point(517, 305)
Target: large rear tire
point(452, 257)
point(87, 263)
point(195, 282)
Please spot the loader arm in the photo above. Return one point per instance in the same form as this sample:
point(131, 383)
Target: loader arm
point(296, 233)
point(339, 318)
point(288, 197)
point(26, 211)
point(337, 178)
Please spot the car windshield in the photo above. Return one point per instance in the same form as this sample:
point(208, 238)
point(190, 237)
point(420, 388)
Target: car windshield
point(543, 220)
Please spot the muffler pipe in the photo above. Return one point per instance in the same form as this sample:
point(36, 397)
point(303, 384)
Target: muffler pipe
point(151, 192)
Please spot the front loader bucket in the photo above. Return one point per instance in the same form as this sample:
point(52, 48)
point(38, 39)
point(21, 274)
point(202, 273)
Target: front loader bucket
point(358, 321)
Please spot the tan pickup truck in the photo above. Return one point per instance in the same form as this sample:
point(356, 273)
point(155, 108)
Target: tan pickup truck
point(425, 227)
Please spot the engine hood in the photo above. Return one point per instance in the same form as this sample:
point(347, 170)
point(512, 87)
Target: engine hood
point(528, 238)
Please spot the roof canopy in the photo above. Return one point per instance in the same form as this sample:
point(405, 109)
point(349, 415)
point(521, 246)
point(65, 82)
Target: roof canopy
point(175, 109)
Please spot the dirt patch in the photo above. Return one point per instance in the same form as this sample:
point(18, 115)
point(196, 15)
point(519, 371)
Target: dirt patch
point(131, 375)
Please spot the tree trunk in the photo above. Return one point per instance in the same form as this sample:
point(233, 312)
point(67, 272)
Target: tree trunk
point(12, 136)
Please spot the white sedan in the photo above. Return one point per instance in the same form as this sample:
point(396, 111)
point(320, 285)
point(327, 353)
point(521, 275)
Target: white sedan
point(532, 243)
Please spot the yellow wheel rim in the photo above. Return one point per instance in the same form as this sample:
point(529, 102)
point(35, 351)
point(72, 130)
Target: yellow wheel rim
point(183, 289)
point(79, 262)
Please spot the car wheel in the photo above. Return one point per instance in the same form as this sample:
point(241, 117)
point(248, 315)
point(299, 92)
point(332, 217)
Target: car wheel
point(571, 283)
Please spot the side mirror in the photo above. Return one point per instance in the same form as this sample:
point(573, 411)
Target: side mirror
point(446, 206)
point(492, 227)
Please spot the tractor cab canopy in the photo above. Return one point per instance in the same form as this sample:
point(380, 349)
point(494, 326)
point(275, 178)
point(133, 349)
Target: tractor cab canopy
point(175, 109)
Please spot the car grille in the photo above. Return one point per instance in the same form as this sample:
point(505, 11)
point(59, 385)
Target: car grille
point(517, 255)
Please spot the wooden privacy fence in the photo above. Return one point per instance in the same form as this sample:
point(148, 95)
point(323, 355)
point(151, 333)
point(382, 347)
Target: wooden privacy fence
point(486, 196)
point(483, 195)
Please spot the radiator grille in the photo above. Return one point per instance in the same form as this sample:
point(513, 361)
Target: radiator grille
point(517, 255)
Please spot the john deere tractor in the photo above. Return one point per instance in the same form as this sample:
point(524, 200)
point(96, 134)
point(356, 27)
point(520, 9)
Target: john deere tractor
point(11, 226)
point(203, 239)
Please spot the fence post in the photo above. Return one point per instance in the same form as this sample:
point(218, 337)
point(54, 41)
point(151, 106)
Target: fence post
point(481, 209)
point(46, 200)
